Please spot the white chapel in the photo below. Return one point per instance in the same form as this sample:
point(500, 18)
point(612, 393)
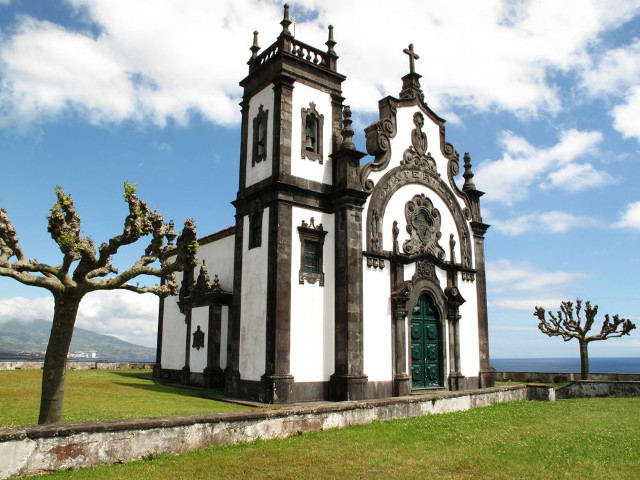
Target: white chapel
point(347, 275)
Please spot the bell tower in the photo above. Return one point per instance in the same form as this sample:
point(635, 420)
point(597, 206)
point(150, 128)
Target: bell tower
point(291, 124)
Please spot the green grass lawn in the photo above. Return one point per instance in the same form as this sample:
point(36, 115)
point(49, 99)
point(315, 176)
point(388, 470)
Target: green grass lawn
point(101, 395)
point(570, 439)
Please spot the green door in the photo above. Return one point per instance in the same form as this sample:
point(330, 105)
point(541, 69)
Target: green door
point(425, 345)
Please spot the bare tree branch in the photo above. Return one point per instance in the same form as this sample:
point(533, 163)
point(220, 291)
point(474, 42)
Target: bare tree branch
point(567, 325)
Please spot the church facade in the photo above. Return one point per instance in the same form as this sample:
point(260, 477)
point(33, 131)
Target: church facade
point(347, 275)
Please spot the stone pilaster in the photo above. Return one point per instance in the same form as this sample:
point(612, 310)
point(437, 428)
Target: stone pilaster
point(349, 381)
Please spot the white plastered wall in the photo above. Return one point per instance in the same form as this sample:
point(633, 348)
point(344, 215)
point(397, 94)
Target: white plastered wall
point(173, 333)
point(218, 257)
point(306, 168)
point(312, 306)
point(468, 327)
point(261, 170)
point(376, 310)
point(253, 314)
point(198, 357)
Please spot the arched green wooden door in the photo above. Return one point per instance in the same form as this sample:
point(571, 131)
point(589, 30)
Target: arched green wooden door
point(425, 345)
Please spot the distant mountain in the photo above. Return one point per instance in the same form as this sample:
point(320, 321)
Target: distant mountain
point(30, 339)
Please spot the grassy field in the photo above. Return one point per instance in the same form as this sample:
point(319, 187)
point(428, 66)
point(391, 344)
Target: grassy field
point(569, 439)
point(101, 395)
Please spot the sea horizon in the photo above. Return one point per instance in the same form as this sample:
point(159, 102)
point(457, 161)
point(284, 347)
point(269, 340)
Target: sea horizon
point(567, 364)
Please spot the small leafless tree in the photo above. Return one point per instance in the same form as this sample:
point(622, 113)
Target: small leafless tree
point(568, 324)
point(93, 271)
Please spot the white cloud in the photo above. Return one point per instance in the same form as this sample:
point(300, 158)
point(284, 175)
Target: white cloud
point(625, 116)
point(616, 75)
point(614, 71)
point(630, 218)
point(544, 222)
point(25, 309)
point(158, 61)
point(506, 275)
point(522, 166)
point(122, 314)
point(526, 305)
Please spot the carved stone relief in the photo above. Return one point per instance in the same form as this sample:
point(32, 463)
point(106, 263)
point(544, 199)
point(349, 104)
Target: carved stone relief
point(379, 135)
point(404, 175)
point(423, 227)
point(198, 339)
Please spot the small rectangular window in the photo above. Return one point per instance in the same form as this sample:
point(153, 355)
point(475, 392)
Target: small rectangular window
point(311, 247)
point(311, 259)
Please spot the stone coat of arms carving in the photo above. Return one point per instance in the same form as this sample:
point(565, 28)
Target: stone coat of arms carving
point(423, 226)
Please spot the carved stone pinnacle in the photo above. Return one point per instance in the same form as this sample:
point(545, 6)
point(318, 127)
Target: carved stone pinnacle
point(347, 131)
point(254, 48)
point(331, 42)
point(468, 174)
point(286, 21)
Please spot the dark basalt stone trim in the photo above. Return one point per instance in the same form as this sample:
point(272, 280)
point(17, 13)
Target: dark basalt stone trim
point(170, 374)
point(213, 372)
point(282, 124)
point(302, 71)
point(291, 195)
point(244, 132)
point(486, 375)
point(197, 379)
point(408, 259)
point(233, 332)
point(286, 182)
point(278, 321)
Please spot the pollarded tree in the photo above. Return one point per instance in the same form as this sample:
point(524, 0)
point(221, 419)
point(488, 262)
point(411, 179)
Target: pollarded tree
point(567, 325)
point(84, 270)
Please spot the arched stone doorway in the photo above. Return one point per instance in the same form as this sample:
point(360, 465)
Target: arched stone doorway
point(426, 344)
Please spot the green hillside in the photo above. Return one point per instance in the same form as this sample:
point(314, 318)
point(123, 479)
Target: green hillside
point(30, 339)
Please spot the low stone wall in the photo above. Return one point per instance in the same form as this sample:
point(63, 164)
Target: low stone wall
point(77, 365)
point(592, 388)
point(544, 377)
point(38, 449)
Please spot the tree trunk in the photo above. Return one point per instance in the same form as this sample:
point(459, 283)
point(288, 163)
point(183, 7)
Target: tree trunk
point(584, 360)
point(53, 375)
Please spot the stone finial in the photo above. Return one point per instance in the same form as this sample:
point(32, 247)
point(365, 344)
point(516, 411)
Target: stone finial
point(170, 234)
point(413, 56)
point(411, 88)
point(468, 174)
point(331, 42)
point(286, 21)
point(254, 48)
point(347, 131)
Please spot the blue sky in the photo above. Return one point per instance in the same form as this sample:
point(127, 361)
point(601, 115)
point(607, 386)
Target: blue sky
point(545, 96)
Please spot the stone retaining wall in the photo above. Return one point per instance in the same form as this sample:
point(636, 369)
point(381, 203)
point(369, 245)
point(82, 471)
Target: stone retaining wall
point(78, 365)
point(38, 449)
point(593, 388)
point(545, 377)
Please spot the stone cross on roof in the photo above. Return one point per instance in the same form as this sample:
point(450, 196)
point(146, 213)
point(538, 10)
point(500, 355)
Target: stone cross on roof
point(413, 56)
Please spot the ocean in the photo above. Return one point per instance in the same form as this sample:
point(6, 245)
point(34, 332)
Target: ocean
point(567, 365)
